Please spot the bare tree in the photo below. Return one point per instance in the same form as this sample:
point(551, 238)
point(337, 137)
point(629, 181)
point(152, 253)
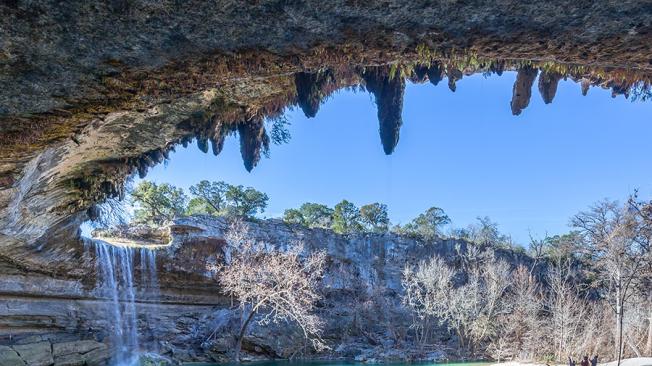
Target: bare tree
point(428, 290)
point(611, 233)
point(567, 310)
point(277, 286)
point(519, 328)
point(470, 309)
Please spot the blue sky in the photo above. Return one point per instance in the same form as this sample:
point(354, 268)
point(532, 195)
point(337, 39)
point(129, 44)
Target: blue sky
point(462, 151)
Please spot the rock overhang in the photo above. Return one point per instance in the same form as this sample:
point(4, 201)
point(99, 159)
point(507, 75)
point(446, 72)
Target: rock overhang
point(94, 93)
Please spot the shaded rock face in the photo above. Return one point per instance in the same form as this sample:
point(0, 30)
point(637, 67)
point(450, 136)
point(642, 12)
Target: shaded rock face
point(62, 318)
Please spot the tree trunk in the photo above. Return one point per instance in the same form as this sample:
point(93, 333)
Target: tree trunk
point(619, 325)
point(243, 330)
point(648, 346)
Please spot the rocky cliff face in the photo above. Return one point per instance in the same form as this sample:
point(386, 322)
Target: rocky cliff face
point(95, 92)
point(188, 319)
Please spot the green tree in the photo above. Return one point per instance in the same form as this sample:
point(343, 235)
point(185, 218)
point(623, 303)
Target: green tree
point(210, 197)
point(199, 206)
point(427, 225)
point(311, 215)
point(346, 218)
point(158, 203)
point(294, 216)
point(374, 217)
point(485, 232)
point(317, 215)
point(245, 202)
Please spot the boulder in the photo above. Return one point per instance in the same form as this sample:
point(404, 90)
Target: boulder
point(74, 359)
point(67, 348)
point(36, 354)
point(98, 357)
point(9, 357)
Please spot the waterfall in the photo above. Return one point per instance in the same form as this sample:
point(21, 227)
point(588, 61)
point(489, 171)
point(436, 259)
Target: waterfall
point(115, 269)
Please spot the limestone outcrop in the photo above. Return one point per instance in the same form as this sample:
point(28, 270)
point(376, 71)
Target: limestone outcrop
point(61, 319)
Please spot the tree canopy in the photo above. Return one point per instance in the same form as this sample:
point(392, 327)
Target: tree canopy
point(311, 215)
point(427, 225)
point(374, 217)
point(346, 218)
point(157, 203)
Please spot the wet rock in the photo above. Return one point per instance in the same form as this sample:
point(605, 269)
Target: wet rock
point(73, 359)
point(67, 348)
point(388, 91)
point(548, 82)
point(522, 91)
point(98, 357)
point(253, 141)
point(36, 354)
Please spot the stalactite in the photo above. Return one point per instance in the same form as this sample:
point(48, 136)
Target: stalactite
point(619, 88)
point(253, 141)
point(202, 144)
point(548, 82)
point(388, 93)
point(453, 76)
point(419, 74)
point(498, 67)
point(186, 140)
point(220, 131)
point(142, 170)
point(435, 73)
point(522, 91)
point(586, 84)
point(312, 88)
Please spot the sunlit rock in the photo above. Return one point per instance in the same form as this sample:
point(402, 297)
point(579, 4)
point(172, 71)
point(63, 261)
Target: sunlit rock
point(388, 91)
point(522, 91)
point(548, 82)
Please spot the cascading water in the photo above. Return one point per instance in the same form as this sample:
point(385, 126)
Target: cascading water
point(116, 282)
